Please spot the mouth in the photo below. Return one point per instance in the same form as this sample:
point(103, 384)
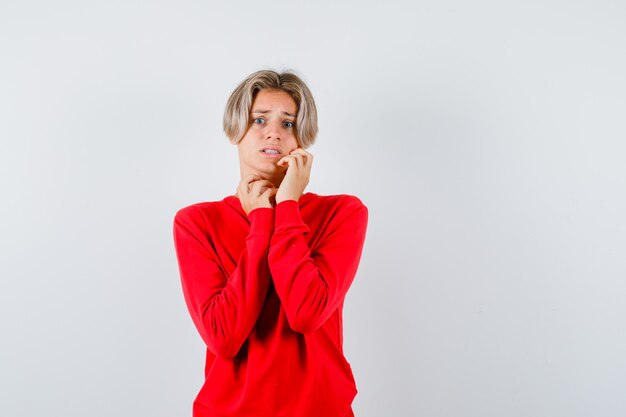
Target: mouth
point(271, 152)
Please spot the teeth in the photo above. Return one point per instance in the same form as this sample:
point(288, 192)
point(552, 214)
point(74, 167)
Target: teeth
point(272, 151)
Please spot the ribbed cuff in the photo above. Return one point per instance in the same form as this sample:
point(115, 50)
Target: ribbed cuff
point(261, 220)
point(288, 215)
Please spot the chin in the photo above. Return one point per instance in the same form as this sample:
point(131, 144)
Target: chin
point(266, 174)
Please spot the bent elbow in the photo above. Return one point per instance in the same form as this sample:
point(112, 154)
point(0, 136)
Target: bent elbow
point(304, 323)
point(221, 341)
point(224, 348)
point(310, 315)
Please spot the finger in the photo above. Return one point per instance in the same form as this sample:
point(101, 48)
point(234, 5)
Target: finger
point(269, 192)
point(244, 184)
point(285, 160)
point(300, 151)
point(299, 158)
point(258, 187)
point(249, 178)
point(265, 182)
point(309, 161)
point(306, 156)
point(243, 189)
point(262, 183)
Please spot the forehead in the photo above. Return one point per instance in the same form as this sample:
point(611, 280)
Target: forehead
point(278, 100)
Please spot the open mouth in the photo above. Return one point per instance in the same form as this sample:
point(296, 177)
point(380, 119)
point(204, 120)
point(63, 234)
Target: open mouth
point(270, 152)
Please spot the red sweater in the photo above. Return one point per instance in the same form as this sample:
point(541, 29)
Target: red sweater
point(266, 293)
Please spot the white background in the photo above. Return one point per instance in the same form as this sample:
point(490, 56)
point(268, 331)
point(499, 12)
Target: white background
point(485, 137)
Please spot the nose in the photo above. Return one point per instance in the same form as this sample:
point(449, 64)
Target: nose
point(272, 130)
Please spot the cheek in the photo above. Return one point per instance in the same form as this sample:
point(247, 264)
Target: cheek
point(293, 141)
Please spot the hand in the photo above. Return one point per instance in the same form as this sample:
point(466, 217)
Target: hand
point(296, 179)
point(254, 192)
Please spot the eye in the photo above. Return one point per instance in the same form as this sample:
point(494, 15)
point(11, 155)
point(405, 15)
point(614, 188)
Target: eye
point(288, 124)
point(258, 121)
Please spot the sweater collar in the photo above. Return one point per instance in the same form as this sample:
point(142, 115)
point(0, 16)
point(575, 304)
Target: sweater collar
point(234, 202)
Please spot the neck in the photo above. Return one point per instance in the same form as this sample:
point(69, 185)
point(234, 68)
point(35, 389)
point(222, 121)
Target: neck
point(276, 178)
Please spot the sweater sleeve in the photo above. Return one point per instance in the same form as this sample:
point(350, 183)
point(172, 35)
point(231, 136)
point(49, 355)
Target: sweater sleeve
point(223, 308)
point(311, 286)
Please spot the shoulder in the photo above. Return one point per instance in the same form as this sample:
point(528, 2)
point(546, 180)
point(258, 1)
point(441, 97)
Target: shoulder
point(194, 210)
point(335, 209)
point(344, 202)
point(198, 213)
point(337, 216)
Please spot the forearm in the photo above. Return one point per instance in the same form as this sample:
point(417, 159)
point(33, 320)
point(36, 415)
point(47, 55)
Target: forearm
point(311, 286)
point(225, 308)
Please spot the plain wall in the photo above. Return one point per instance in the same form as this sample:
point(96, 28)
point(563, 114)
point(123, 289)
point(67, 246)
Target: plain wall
point(485, 137)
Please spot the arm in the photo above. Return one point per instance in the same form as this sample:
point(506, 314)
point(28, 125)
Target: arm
point(311, 286)
point(223, 309)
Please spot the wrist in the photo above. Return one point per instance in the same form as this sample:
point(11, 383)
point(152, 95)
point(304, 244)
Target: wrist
point(287, 196)
point(280, 200)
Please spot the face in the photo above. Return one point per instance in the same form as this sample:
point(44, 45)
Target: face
point(272, 127)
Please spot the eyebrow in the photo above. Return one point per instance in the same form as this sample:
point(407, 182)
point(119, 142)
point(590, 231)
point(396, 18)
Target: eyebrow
point(267, 111)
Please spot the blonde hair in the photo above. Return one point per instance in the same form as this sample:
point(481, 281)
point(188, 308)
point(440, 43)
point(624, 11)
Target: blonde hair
point(237, 112)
